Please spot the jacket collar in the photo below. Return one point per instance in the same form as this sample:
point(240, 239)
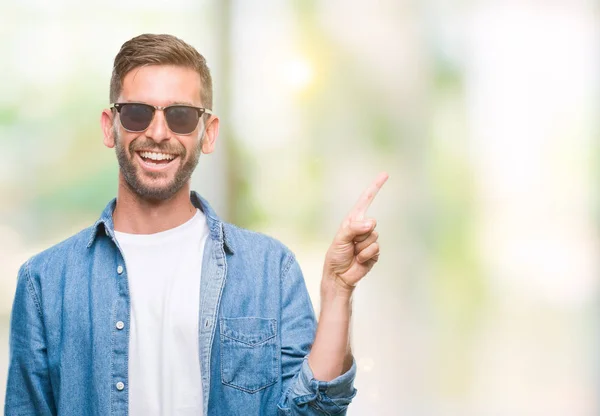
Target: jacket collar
point(218, 230)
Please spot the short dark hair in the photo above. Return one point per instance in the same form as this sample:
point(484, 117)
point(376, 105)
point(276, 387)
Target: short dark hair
point(150, 49)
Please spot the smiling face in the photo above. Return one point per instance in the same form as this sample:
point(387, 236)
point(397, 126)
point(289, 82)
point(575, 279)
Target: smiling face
point(156, 163)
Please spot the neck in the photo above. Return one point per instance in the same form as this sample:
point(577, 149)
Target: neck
point(135, 215)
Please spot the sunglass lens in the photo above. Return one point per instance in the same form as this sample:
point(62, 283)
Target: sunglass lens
point(182, 119)
point(136, 117)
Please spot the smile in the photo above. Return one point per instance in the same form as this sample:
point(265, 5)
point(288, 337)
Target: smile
point(155, 160)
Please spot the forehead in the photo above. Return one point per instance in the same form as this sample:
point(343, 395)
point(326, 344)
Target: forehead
point(162, 85)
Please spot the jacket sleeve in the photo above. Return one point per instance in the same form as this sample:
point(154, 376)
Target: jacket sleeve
point(302, 394)
point(28, 389)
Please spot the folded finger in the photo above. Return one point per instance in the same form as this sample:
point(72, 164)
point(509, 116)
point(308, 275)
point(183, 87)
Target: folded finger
point(365, 242)
point(368, 253)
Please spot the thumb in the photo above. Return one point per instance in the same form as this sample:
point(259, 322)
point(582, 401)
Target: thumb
point(350, 229)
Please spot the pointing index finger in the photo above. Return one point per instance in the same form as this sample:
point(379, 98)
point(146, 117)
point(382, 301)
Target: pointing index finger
point(360, 208)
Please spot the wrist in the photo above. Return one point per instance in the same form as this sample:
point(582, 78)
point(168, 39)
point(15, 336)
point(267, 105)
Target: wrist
point(334, 286)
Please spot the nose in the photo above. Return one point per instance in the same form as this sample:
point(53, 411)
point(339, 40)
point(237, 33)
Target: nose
point(158, 130)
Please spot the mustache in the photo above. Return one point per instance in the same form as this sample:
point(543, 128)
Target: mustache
point(174, 148)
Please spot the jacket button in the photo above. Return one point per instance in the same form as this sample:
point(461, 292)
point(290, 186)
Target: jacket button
point(120, 386)
point(120, 269)
point(120, 325)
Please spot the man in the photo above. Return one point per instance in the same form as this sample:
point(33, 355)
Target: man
point(162, 308)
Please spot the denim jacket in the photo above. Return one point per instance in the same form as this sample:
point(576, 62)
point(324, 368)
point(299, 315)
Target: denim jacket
point(69, 341)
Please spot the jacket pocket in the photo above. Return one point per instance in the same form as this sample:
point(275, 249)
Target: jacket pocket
point(249, 358)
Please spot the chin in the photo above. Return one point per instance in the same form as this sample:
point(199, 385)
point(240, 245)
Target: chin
point(153, 192)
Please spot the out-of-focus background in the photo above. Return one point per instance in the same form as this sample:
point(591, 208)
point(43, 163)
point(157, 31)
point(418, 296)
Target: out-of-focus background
point(485, 114)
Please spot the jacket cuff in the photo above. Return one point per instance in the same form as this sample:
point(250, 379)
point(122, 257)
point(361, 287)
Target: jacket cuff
point(331, 396)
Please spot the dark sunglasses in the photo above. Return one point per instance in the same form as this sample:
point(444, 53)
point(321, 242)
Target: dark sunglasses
point(181, 119)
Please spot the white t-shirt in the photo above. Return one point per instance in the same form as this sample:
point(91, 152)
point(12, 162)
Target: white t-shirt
point(163, 271)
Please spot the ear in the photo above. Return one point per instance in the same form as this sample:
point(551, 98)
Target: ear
point(210, 135)
point(106, 121)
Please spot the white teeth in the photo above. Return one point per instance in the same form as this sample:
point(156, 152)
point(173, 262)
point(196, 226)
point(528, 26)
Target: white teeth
point(157, 156)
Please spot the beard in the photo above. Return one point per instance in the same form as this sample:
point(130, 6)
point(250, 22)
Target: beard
point(149, 185)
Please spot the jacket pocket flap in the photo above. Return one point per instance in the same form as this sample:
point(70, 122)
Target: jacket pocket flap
point(249, 330)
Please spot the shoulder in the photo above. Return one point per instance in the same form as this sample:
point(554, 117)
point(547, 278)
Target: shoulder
point(242, 238)
point(257, 245)
point(68, 251)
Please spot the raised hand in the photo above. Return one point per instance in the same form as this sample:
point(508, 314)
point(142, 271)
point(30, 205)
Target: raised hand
point(355, 249)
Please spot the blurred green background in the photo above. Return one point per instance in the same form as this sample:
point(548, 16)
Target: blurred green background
point(485, 299)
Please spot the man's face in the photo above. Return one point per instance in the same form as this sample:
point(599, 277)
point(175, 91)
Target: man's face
point(157, 163)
